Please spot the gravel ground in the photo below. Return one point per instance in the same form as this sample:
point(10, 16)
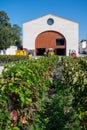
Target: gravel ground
point(1, 68)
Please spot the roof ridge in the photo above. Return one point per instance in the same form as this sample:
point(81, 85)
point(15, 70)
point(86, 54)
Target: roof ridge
point(52, 15)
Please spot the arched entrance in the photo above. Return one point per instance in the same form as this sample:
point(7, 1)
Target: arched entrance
point(50, 39)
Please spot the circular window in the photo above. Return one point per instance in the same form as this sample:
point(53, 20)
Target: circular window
point(50, 21)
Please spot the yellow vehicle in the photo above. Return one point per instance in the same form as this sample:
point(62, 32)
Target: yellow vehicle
point(50, 52)
point(23, 53)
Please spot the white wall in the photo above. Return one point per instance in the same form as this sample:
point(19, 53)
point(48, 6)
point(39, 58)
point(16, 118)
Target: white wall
point(67, 28)
point(10, 51)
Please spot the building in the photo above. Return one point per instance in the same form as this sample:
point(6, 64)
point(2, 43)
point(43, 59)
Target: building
point(83, 46)
point(9, 51)
point(51, 31)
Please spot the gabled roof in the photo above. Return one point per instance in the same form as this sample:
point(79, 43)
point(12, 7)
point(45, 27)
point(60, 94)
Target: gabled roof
point(52, 15)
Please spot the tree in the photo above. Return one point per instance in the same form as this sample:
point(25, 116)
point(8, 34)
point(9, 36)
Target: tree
point(5, 40)
point(17, 33)
point(4, 19)
point(8, 33)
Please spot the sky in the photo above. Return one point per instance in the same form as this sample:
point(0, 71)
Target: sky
point(20, 11)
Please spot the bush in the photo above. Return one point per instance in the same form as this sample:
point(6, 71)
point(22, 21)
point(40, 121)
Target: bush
point(22, 88)
point(10, 58)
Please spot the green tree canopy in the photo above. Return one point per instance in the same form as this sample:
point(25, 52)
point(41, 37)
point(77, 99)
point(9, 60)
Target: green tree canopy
point(17, 33)
point(8, 33)
point(4, 19)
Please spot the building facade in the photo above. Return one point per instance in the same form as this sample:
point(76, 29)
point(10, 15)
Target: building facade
point(51, 31)
point(83, 47)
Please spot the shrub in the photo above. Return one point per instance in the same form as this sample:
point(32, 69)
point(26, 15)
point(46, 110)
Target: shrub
point(22, 88)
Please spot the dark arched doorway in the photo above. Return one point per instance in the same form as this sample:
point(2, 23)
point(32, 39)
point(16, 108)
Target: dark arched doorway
point(50, 39)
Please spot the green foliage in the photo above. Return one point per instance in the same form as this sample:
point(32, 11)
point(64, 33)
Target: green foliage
point(75, 74)
point(10, 58)
point(57, 112)
point(5, 37)
point(44, 94)
point(8, 33)
point(17, 33)
point(4, 19)
point(22, 88)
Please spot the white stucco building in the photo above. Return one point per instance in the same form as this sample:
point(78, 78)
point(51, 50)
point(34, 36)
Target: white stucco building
point(9, 51)
point(51, 31)
point(83, 47)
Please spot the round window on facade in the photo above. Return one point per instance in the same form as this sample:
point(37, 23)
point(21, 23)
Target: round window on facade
point(50, 21)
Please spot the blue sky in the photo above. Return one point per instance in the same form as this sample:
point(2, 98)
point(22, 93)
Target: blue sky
point(21, 11)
